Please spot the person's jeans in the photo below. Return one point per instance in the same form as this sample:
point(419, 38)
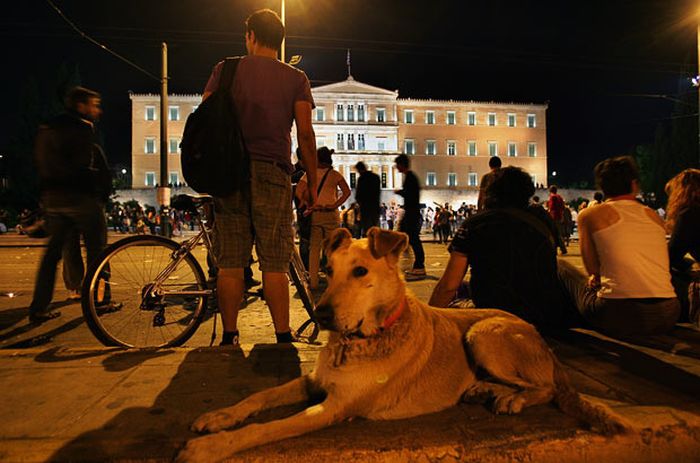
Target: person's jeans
point(73, 267)
point(87, 218)
point(411, 224)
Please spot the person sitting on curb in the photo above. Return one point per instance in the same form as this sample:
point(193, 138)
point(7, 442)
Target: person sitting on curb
point(623, 246)
point(512, 256)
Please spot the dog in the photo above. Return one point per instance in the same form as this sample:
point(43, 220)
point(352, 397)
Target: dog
point(390, 356)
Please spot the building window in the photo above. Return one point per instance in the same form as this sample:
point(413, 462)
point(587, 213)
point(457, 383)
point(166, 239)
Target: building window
point(451, 148)
point(351, 113)
point(408, 116)
point(471, 118)
point(409, 146)
point(532, 149)
point(339, 115)
point(381, 144)
point(174, 146)
point(531, 121)
point(320, 142)
point(492, 119)
point(431, 179)
point(150, 113)
point(511, 120)
point(361, 112)
point(383, 179)
point(381, 115)
point(473, 179)
point(430, 147)
point(452, 179)
point(320, 114)
point(430, 117)
point(471, 148)
point(353, 179)
point(174, 113)
point(150, 145)
point(150, 179)
point(512, 149)
point(174, 178)
point(493, 148)
point(451, 118)
point(351, 141)
point(340, 142)
point(361, 141)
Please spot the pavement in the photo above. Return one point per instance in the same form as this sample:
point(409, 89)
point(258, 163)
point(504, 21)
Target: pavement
point(66, 398)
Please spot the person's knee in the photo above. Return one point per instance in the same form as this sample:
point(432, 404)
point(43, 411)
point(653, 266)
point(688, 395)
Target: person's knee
point(231, 272)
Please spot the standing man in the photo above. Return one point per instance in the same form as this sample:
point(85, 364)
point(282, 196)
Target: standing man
point(411, 222)
point(75, 185)
point(555, 206)
point(367, 196)
point(494, 165)
point(268, 95)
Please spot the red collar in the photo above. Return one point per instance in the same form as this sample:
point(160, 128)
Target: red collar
point(391, 319)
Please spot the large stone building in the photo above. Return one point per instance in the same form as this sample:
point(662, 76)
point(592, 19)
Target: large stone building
point(450, 142)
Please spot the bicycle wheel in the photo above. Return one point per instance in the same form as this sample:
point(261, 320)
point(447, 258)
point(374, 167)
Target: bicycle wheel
point(121, 305)
point(300, 279)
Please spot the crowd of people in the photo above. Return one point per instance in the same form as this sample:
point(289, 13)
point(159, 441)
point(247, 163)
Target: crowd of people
point(634, 282)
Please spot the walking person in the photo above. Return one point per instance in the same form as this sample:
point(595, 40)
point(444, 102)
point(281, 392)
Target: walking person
point(332, 191)
point(411, 221)
point(75, 183)
point(367, 195)
point(556, 206)
point(264, 89)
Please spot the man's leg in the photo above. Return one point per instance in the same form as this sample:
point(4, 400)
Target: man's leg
point(230, 286)
point(276, 290)
point(73, 267)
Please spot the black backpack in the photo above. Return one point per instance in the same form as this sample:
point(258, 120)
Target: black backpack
point(214, 158)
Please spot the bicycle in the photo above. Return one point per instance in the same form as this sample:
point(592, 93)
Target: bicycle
point(150, 291)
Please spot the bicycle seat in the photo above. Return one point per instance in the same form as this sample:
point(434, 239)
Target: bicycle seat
point(190, 203)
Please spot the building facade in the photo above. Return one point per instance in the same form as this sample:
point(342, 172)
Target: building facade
point(449, 142)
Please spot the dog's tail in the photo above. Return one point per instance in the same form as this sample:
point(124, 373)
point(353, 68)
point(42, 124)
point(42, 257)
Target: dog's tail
point(598, 416)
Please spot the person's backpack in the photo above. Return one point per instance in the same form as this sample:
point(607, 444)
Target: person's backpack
point(214, 158)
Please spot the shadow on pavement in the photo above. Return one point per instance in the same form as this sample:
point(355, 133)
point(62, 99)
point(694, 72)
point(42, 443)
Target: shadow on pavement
point(39, 339)
point(206, 379)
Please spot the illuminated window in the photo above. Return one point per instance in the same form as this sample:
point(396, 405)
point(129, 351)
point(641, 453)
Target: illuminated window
point(492, 119)
point(531, 121)
point(174, 145)
point(512, 149)
point(451, 148)
point(473, 179)
point(339, 115)
point(340, 142)
point(471, 148)
point(532, 149)
point(351, 142)
point(430, 147)
point(451, 118)
point(431, 179)
point(361, 112)
point(174, 113)
point(351, 113)
point(493, 148)
point(430, 117)
point(150, 145)
point(150, 113)
point(381, 115)
point(361, 141)
point(409, 146)
point(452, 179)
point(511, 120)
point(150, 179)
point(174, 178)
point(471, 118)
point(320, 114)
point(408, 116)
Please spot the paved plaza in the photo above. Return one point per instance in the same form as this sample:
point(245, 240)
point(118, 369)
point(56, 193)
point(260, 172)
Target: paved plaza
point(67, 398)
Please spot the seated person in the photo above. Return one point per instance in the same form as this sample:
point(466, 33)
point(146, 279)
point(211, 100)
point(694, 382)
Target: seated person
point(683, 224)
point(512, 255)
point(623, 246)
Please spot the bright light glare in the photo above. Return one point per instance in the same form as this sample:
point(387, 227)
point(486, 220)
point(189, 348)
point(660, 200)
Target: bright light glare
point(123, 171)
point(554, 173)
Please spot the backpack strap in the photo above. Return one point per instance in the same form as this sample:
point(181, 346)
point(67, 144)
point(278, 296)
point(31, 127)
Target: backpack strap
point(323, 180)
point(228, 73)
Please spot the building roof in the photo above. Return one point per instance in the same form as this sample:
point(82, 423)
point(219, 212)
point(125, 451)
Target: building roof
point(351, 85)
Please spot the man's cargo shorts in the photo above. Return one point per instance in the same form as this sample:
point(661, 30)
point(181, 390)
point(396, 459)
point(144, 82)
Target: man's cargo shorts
point(263, 217)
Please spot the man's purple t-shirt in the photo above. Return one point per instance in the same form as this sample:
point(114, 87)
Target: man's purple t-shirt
point(264, 91)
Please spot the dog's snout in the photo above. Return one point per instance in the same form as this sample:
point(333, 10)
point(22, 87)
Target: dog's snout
point(324, 315)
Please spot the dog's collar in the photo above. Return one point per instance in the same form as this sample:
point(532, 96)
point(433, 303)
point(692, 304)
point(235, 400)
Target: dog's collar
point(391, 319)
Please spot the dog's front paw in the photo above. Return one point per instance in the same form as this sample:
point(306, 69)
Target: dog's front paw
point(511, 404)
point(201, 449)
point(215, 421)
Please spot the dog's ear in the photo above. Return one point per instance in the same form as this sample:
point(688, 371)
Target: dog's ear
point(339, 238)
point(385, 243)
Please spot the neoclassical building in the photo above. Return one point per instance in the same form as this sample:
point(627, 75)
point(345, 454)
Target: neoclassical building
point(450, 142)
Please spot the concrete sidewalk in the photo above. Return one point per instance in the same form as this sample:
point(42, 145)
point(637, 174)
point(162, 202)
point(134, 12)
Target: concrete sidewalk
point(63, 404)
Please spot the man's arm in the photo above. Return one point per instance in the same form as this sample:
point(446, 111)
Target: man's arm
point(445, 290)
point(344, 193)
point(589, 254)
point(307, 144)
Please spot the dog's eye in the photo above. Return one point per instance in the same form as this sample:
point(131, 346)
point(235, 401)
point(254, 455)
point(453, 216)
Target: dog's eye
point(329, 271)
point(358, 272)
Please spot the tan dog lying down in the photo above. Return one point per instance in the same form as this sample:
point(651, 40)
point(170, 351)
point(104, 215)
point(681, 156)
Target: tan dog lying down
point(390, 356)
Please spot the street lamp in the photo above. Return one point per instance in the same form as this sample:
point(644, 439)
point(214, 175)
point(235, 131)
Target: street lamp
point(123, 171)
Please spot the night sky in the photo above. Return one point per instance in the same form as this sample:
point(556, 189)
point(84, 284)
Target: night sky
point(590, 60)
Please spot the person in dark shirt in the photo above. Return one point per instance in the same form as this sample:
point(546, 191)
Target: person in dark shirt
point(683, 224)
point(494, 165)
point(512, 256)
point(367, 196)
point(412, 220)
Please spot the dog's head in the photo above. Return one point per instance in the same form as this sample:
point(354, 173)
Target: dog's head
point(364, 283)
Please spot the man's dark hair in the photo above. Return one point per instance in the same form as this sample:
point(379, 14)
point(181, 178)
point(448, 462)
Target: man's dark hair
point(598, 196)
point(78, 95)
point(615, 175)
point(361, 167)
point(495, 162)
point(402, 160)
point(323, 155)
point(510, 187)
point(268, 28)
point(553, 189)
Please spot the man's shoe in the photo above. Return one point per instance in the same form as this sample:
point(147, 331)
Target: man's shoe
point(74, 295)
point(415, 274)
point(37, 318)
